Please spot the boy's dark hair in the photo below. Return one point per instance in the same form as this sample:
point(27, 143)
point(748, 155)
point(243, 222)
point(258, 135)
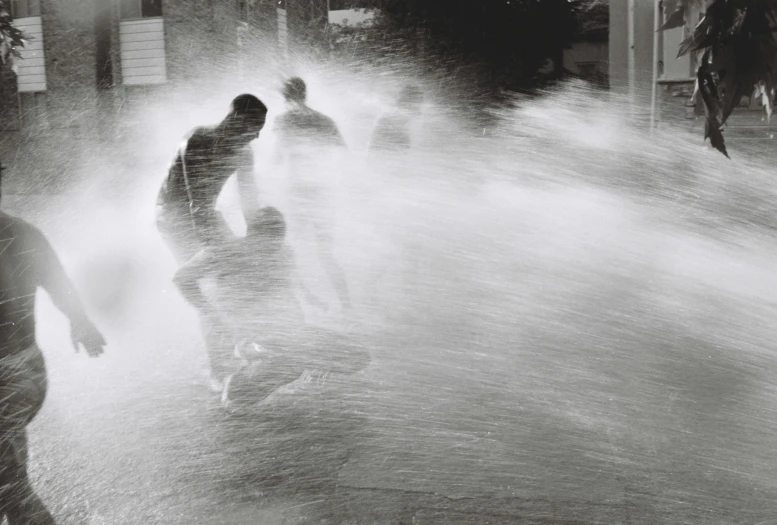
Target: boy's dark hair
point(295, 90)
point(245, 104)
point(267, 221)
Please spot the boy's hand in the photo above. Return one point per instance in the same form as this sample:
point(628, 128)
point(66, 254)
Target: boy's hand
point(84, 334)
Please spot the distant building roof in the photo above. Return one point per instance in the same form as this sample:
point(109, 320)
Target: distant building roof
point(351, 16)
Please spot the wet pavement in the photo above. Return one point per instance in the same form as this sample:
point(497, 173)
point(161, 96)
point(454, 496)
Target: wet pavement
point(136, 438)
point(603, 412)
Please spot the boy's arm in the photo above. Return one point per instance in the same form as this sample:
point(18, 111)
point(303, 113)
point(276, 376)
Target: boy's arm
point(51, 277)
point(246, 183)
point(337, 136)
point(188, 277)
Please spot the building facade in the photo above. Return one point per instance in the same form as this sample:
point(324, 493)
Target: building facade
point(81, 49)
point(87, 60)
point(638, 55)
point(587, 57)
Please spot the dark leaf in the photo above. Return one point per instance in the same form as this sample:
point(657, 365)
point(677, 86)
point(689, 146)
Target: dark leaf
point(11, 38)
point(732, 96)
point(676, 20)
point(728, 86)
point(721, 59)
point(709, 94)
point(686, 45)
point(739, 21)
point(703, 36)
point(739, 42)
point(713, 132)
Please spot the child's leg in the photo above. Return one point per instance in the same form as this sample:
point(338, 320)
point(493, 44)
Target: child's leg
point(219, 345)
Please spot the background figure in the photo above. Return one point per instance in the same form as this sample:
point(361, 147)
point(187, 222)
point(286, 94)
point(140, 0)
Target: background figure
point(307, 143)
point(27, 262)
point(393, 132)
point(307, 353)
point(394, 160)
point(256, 294)
point(186, 207)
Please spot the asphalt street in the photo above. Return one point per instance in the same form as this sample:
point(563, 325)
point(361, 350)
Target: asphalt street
point(595, 406)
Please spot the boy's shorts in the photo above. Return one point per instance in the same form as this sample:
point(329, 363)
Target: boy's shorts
point(23, 387)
